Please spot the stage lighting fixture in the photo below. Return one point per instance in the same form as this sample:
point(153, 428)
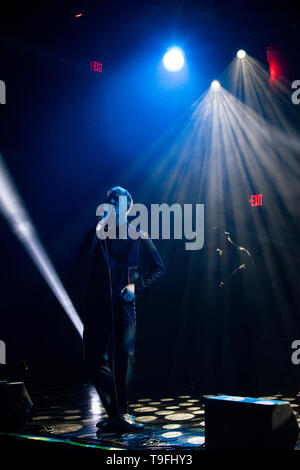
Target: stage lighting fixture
point(241, 54)
point(173, 59)
point(215, 84)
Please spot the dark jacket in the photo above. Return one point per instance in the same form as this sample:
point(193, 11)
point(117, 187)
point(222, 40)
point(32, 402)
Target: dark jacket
point(124, 261)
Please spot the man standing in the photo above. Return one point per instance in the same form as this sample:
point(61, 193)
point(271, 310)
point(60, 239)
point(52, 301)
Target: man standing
point(118, 268)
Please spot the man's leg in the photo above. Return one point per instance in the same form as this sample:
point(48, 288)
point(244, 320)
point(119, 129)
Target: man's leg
point(125, 326)
point(113, 387)
point(96, 341)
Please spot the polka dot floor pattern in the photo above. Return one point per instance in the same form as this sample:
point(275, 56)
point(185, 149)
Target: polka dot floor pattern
point(171, 422)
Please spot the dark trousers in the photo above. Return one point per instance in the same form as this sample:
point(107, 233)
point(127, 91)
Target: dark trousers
point(109, 355)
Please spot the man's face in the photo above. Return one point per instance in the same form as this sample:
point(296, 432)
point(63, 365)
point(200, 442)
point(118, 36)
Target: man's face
point(120, 205)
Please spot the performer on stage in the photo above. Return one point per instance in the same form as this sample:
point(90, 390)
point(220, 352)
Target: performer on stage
point(118, 268)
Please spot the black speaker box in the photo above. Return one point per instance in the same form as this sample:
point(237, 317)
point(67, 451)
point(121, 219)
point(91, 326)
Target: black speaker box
point(15, 406)
point(242, 423)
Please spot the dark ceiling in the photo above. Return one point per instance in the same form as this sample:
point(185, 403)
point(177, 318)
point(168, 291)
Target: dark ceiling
point(114, 28)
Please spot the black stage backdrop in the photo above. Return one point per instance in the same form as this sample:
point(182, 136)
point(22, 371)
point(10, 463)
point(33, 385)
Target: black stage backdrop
point(68, 134)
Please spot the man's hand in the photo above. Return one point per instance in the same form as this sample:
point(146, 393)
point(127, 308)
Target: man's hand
point(127, 293)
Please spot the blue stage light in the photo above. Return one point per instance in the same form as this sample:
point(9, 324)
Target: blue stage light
point(173, 59)
point(241, 54)
point(215, 84)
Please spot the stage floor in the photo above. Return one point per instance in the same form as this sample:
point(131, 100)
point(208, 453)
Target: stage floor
point(70, 413)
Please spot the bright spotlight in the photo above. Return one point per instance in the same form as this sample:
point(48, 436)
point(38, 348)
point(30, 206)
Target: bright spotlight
point(173, 59)
point(241, 54)
point(215, 85)
point(14, 211)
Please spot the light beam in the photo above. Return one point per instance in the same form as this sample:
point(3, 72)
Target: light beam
point(14, 211)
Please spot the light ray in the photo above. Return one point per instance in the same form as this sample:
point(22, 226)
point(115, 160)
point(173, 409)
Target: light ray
point(16, 215)
point(221, 152)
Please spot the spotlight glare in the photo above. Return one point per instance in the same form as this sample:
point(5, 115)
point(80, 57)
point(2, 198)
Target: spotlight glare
point(215, 84)
point(15, 213)
point(173, 59)
point(241, 54)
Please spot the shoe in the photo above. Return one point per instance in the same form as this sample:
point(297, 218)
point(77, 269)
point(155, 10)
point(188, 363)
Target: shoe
point(102, 424)
point(123, 423)
point(132, 419)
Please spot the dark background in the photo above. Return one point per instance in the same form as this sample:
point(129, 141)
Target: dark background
point(68, 134)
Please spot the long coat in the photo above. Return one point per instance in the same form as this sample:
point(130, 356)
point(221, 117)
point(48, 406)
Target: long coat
point(113, 264)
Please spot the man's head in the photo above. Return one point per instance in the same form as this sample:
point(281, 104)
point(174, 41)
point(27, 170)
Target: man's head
point(113, 194)
point(122, 201)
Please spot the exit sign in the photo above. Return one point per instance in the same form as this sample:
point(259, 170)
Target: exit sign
point(256, 200)
point(95, 66)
